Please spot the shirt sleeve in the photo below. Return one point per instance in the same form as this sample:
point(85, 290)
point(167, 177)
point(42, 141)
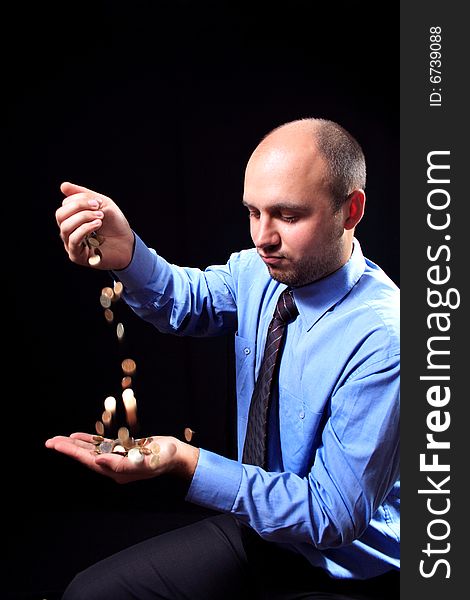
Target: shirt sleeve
point(353, 470)
point(180, 300)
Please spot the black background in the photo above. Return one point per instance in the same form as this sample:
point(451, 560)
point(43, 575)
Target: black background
point(159, 106)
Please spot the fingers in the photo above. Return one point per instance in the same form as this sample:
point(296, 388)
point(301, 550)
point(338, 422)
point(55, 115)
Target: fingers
point(77, 449)
point(83, 212)
point(77, 198)
point(84, 437)
point(51, 443)
point(76, 204)
point(82, 447)
point(68, 188)
point(74, 236)
point(76, 219)
point(61, 442)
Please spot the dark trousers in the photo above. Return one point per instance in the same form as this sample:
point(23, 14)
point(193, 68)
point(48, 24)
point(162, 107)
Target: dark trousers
point(217, 559)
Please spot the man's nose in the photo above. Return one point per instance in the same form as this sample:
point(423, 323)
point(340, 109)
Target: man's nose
point(265, 233)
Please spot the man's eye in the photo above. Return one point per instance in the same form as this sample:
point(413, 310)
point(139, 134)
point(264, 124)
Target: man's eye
point(253, 214)
point(288, 219)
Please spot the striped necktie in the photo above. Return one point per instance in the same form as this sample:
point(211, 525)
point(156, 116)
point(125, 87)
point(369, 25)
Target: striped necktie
point(254, 451)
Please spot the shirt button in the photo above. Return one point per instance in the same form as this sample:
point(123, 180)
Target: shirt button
point(301, 414)
point(247, 351)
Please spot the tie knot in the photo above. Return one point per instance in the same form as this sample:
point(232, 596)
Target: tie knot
point(286, 310)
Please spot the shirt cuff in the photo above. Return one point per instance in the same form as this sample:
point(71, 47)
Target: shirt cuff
point(141, 267)
point(215, 482)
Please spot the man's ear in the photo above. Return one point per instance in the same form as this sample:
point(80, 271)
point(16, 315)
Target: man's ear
point(354, 209)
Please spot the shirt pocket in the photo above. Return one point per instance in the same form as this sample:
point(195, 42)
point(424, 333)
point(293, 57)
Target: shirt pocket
point(300, 432)
point(245, 357)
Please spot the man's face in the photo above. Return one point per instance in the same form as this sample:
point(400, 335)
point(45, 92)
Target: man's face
point(292, 223)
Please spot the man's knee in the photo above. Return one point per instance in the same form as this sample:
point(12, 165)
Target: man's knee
point(76, 590)
point(84, 586)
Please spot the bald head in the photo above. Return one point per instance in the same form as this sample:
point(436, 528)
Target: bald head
point(320, 147)
point(304, 192)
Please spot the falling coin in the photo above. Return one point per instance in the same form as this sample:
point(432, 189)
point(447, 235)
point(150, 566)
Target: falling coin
point(118, 288)
point(109, 315)
point(120, 331)
point(123, 435)
point(107, 291)
point(110, 404)
point(126, 382)
point(128, 395)
point(105, 301)
point(130, 404)
point(128, 366)
point(106, 417)
point(188, 434)
point(99, 427)
point(94, 259)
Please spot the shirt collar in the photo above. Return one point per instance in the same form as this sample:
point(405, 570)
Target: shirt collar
point(315, 299)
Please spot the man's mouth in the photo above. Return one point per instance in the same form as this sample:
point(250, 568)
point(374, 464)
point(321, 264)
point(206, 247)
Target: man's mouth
point(271, 259)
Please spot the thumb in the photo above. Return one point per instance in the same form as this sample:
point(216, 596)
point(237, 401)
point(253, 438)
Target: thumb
point(68, 188)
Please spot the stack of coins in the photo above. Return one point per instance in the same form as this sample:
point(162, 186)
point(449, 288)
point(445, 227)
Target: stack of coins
point(125, 445)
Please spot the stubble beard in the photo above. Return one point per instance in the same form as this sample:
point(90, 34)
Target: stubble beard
point(311, 268)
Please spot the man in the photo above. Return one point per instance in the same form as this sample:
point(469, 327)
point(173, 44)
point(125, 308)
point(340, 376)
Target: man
point(314, 513)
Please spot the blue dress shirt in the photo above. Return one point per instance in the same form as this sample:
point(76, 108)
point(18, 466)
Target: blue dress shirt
point(331, 491)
